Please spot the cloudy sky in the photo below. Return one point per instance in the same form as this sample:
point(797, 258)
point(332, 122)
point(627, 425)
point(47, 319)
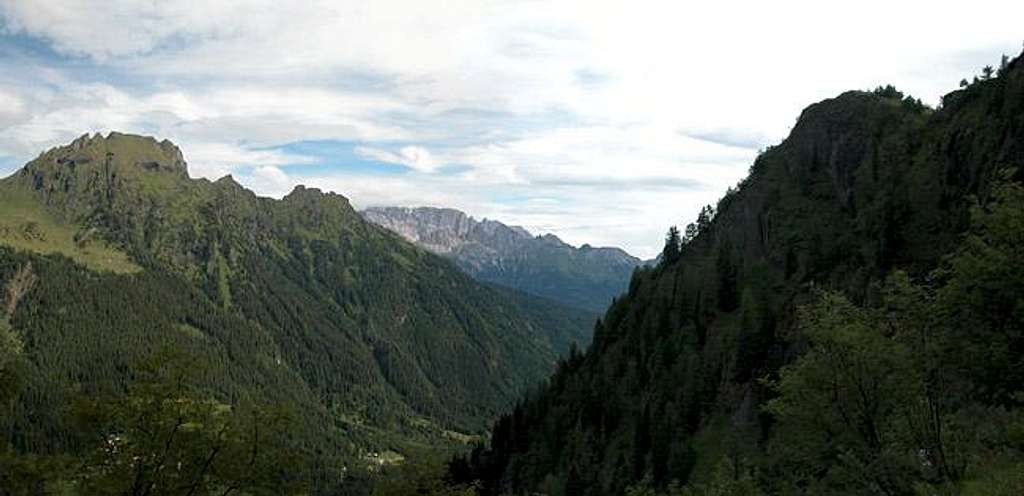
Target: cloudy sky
point(601, 122)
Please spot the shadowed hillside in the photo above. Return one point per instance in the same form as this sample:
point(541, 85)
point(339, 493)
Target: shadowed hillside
point(847, 321)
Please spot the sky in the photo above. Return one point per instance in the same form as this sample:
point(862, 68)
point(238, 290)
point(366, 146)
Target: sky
point(600, 122)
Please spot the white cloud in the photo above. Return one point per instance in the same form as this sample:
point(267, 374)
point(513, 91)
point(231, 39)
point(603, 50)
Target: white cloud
point(269, 181)
point(667, 101)
point(103, 30)
point(215, 160)
point(604, 153)
point(12, 109)
point(414, 157)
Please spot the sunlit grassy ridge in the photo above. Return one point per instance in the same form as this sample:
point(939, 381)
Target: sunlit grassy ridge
point(25, 225)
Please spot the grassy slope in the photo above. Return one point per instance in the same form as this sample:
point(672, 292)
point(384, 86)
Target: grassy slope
point(25, 225)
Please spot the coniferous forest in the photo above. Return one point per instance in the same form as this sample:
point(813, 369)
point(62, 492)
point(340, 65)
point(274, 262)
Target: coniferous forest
point(159, 331)
point(847, 320)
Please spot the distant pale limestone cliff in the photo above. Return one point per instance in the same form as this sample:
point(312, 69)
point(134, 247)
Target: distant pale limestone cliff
point(584, 277)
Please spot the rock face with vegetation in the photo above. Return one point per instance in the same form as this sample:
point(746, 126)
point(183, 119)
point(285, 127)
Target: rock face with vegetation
point(584, 277)
point(849, 320)
point(110, 255)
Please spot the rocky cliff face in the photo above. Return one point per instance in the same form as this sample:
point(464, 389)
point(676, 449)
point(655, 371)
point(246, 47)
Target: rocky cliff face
point(585, 277)
point(446, 230)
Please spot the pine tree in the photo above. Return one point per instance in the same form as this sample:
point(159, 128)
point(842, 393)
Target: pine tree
point(707, 214)
point(672, 246)
point(691, 233)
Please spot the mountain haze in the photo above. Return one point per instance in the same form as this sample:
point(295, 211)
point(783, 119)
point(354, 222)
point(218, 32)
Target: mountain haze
point(584, 277)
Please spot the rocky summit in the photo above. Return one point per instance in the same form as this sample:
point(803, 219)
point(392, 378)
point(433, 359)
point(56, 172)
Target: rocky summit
point(584, 277)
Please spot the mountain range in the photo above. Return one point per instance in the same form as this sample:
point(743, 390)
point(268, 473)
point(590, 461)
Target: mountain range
point(110, 254)
point(848, 320)
point(584, 277)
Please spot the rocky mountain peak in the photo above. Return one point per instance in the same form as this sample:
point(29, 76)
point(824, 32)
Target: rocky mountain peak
point(318, 200)
point(127, 150)
point(94, 170)
point(444, 230)
point(511, 256)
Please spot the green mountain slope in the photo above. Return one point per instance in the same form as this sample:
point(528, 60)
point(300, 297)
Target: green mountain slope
point(379, 344)
point(866, 184)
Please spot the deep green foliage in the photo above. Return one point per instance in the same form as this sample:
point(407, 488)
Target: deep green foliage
point(587, 277)
point(891, 93)
point(839, 402)
point(673, 245)
point(728, 479)
point(164, 436)
point(910, 396)
point(10, 353)
point(866, 185)
point(423, 475)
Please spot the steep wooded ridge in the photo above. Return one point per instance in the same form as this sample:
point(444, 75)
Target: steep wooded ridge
point(867, 185)
point(110, 253)
point(586, 277)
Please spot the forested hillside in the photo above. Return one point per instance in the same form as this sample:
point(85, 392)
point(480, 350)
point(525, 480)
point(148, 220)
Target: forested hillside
point(113, 262)
point(848, 320)
point(586, 277)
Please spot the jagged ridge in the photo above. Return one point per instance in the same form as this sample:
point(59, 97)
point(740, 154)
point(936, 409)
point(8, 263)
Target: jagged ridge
point(585, 277)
